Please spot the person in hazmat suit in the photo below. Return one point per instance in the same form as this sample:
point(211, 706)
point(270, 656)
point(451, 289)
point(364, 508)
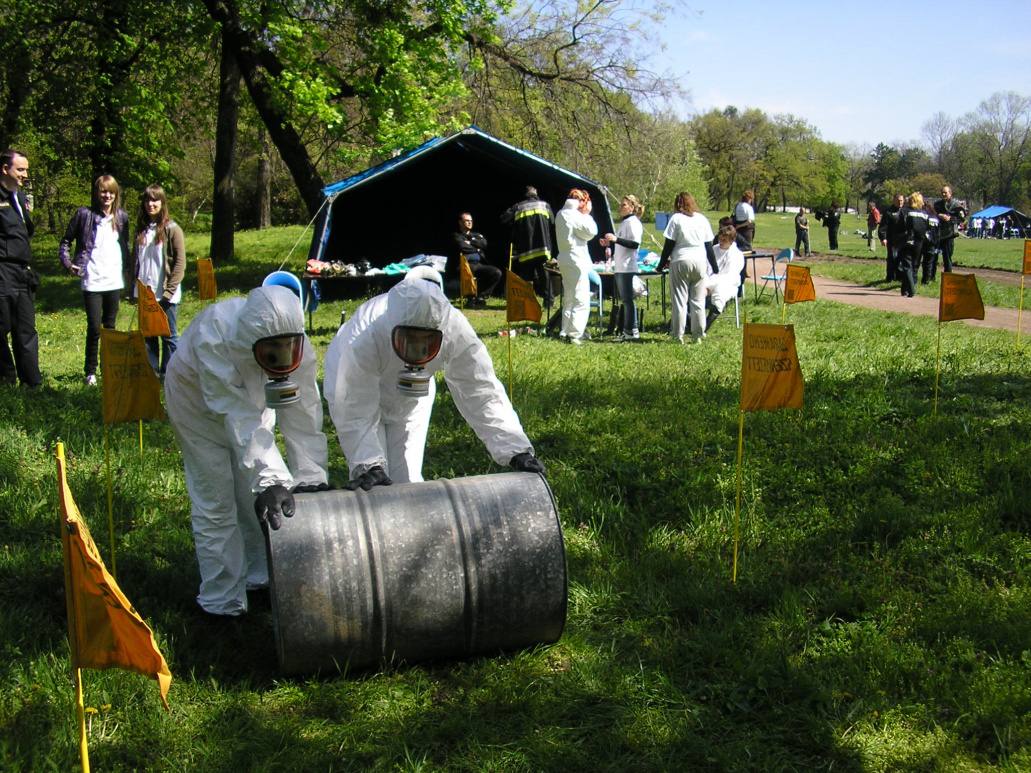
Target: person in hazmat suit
point(242, 366)
point(380, 388)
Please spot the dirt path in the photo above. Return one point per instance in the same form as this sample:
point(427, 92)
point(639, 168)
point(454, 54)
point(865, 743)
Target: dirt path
point(890, 300)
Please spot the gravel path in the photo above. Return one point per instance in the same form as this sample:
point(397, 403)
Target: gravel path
point(890, 300)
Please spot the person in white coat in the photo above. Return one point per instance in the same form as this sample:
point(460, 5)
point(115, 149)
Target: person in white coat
point(723, 283)
point(574, 227)
point(380, 388)
point(687, 250)
point(224, 409)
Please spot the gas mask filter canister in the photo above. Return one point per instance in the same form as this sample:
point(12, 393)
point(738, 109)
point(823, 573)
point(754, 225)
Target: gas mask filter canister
point(279, 356)
point(416, 346)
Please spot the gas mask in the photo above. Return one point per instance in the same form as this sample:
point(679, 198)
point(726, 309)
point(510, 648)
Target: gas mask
point(416, 346)
point(279, 356)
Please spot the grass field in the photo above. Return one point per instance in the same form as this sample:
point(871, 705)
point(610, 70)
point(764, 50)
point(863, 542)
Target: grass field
point(881, 620)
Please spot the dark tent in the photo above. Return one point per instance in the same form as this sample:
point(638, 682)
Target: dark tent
point(410, 205)
point(1018, 220)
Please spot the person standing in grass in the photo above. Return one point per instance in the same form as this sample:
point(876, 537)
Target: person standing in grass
point(873, 219)
point(100, 233)
point(20, 360)
point(915, 222)
point(687, 251)
point(574, 227)
point(627, 241)
point(802, 232)
point(951, 213)
point(891, 232)
point(832, 221)
point(744, 220)
point(159, 261)
point(929, 256)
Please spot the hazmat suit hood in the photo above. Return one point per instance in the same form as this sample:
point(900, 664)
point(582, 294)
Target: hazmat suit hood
point(268, 311)
point(418, 303)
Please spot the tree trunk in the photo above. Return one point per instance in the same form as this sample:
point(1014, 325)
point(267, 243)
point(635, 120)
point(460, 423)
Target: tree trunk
point(223, 203)
point(257, 62)
point(264, 182)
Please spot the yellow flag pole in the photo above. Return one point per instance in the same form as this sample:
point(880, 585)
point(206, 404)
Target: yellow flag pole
point(937, 367)
point(1020, 308)
point(141, 438)
point(737, 505)
point(511, 396)
point(73, 647)
point(783, 312)
point(110, 502)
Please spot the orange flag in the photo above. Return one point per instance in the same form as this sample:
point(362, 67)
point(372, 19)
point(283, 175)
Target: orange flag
point(130, 386)
point(206, 289)
point(798, 286)
point(1027, 257)
point(521, 301)
point(959, 298)
point(466, 278)
point(105, 631)
point(770, 376)
point(153, 321)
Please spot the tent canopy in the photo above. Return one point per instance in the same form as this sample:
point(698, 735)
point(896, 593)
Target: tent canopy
point(410, 205)
point(996, 211)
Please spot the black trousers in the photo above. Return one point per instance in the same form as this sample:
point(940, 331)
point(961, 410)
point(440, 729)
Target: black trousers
point(18, 319)
point(533, 272)
point(101, 309)
point(487, 277)
point(947, 247)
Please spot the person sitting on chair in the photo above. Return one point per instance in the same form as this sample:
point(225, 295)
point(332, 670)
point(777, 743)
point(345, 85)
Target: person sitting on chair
point(473, 247)
point(722, 285)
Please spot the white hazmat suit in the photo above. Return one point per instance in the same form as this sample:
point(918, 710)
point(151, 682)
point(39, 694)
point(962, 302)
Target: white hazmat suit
point(214, 394)
point(380, 426)
point(573, 229)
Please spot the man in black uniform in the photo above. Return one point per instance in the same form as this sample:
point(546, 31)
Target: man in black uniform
point(890, 232)
point(17, 280)
point(532, 246)
point(951, 213)
point(473, 246)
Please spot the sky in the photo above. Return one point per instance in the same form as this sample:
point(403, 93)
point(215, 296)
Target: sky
point(859, 72)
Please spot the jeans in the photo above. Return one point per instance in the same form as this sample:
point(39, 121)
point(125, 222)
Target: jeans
point(802, 237)
point(166, 344)
point(625, 290)
point(101, 309)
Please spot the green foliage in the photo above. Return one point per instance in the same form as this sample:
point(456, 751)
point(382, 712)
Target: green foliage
point(879, 621)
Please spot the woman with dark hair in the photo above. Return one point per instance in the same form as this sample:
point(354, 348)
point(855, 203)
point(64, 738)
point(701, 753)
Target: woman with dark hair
point(832, 221)
point(100, 233)
point(687, 251)
point(159, 261)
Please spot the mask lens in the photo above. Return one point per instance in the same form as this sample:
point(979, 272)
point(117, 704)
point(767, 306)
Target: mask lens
point(279, 355)
point(416, 345)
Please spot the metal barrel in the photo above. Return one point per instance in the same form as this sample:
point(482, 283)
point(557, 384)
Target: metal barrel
point(442, 569)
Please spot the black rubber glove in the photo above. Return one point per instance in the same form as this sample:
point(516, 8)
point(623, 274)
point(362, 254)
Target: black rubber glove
point(375, 476)
point(525, 462)
point(272, 504)
point(310, 488)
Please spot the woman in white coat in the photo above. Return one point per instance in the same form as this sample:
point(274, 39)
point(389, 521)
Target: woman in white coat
point(381, 407)
point(723, 283)
point(574, 227)
point(688, 252)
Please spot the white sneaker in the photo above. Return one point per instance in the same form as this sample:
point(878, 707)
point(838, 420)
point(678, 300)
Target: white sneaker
point(91, 380)
point(575, 341)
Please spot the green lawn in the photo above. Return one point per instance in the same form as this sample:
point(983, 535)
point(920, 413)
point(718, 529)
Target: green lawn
point(880, 622)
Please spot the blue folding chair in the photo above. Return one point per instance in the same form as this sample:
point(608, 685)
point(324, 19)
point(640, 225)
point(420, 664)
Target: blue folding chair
point(778, 275)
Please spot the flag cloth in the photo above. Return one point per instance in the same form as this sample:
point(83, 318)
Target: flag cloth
point(206, 289)
point(130, 386)
point(1027, 257)
point(520, 299)
point(798, 286)
point(108, 632)
point(770, 375)
point(959, 298)
point(153, 321)
point(466, 278)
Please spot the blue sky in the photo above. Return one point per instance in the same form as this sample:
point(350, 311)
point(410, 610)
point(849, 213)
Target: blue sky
point(841, 66)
